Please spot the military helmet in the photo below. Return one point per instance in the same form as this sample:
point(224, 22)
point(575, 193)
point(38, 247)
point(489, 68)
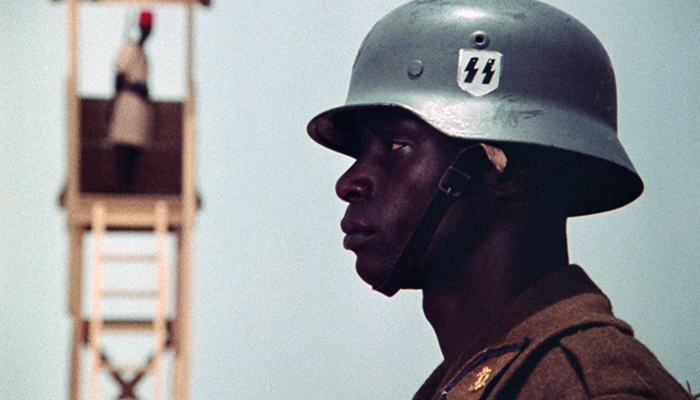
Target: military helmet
point(514, 71)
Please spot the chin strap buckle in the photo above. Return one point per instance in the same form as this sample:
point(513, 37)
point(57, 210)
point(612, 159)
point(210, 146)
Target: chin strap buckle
point(454, 182)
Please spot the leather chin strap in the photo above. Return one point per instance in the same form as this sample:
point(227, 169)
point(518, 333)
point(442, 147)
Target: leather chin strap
point(458, 181)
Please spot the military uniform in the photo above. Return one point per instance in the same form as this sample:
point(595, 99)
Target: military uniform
point(558, 340)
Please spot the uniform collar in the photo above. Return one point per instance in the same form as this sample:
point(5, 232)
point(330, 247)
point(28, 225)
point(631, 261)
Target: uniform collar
point(562, 301)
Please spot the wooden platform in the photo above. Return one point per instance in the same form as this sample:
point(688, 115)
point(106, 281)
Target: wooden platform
point(126, 212)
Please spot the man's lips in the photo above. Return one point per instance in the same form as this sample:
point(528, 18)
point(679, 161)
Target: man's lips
point(356, 234)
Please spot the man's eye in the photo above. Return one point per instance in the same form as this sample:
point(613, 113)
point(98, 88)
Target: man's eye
point(397, 146)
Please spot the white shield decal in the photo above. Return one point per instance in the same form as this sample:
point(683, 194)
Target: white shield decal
point(479, 71)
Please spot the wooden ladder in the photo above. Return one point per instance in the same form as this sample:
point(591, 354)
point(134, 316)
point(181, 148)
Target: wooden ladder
point(103, 261)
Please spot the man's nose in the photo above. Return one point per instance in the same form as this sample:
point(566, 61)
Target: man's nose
point(355, 184)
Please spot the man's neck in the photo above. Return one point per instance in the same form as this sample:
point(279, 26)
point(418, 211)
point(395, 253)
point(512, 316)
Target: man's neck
point(497, 272)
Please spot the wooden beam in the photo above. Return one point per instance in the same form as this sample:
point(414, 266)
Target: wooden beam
point(183, 328)
point(136, 325)
point(203, 2)
point(75, 262)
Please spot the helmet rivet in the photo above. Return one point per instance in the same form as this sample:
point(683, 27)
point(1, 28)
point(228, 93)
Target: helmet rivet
point(415, 69)
point(480, 40)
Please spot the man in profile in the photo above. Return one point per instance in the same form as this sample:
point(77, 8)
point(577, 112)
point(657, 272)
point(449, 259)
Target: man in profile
point(478, 127)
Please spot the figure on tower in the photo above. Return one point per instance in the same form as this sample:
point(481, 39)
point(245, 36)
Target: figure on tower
point(132, 120)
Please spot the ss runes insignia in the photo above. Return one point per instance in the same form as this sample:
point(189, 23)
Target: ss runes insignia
point(479, 71)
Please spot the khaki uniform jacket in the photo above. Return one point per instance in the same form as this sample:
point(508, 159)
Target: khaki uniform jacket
point(557, 340)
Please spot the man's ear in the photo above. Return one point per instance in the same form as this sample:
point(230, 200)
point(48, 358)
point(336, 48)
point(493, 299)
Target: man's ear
point(496, 157)
point(513, 176)
point(508, 177)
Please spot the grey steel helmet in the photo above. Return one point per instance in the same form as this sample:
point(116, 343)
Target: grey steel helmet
point(516, 71)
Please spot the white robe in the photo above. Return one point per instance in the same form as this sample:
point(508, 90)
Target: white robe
point(132, 116)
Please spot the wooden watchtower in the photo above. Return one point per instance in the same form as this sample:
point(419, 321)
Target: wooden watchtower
point(163, 201)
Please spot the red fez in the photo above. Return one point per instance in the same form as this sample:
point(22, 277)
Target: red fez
point(145, 19)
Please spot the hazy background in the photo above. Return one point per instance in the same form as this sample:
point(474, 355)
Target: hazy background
point(279, 311)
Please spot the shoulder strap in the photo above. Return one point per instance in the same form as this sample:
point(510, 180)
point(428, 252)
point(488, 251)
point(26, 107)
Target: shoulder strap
point(512, 381)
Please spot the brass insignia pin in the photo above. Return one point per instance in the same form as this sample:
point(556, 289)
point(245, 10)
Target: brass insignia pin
point(481, 379)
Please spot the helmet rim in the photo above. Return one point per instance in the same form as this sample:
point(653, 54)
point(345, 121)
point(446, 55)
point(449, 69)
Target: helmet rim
point(607, 185)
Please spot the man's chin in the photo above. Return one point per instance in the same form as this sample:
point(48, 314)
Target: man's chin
point(377, 273)
point(374, 274)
